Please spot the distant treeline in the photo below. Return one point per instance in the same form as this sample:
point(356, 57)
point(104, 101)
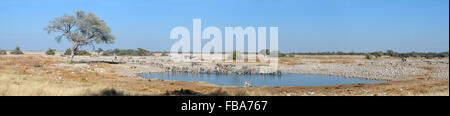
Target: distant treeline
point(381, 53)
point(128, 52)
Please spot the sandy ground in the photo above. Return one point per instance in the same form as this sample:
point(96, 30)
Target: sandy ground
point(52, 75)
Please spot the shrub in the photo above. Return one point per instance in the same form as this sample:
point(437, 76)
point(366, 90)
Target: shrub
point(368, 56)
point(164, 54)
point(78, 52)
point(83, 53)
point(264, 52)
point(236, 55)
point(391, 53)
point(99, 50)
point(276, 53)
point(37, 65)
point(16, 51)
point(291, 55)
point(50, 52)
point(68, 52)
point(377, 54)
point(128, 52)
point(3, 52)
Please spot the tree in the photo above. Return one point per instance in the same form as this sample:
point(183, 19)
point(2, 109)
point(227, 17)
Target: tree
point(390, 53)
point(236, 55)
point(377, 54)
point(50, 52)
point(16, 51)
point(3, 52)
point(80, 30)
point(264, 52)
point(99, 50)
point(368, 56)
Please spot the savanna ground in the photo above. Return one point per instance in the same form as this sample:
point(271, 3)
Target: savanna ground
point(36, 74)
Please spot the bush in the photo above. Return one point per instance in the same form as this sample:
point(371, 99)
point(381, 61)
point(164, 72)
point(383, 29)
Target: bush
point(82, 53)
point(78, 52)
point(3, 52)
point(128, 52)
point(164, 54)
point(99, 50)
point(37, 65)
point(50, 52)
point(368, 56)
point(377, 54)
point(276, 53)
point(16, 51)
point(236, 56)
point(264, 52)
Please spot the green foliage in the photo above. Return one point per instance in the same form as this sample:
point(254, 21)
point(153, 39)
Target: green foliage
point(128, 52)
point(164, 54)
point(78, 52)
point(368, 56)
point(81, 29)
point(291, 55)
point(99, 50)
point(264, 52)
point(68, 52)
point(276, 54)
point(37, 65)
point(3, 52)
point(377, 54)
point(236, 56)
point(83, 53)
point(50, 52)
point(16, 51)
point(390, 53)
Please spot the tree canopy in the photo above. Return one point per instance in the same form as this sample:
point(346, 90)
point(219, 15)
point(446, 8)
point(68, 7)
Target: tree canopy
point(80, 29)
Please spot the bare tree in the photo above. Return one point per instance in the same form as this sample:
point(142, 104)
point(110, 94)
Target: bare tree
point(81, 30)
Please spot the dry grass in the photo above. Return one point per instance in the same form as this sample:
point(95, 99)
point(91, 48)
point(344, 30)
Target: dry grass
point(20, 76)
point(17, 85)
point(34, 76)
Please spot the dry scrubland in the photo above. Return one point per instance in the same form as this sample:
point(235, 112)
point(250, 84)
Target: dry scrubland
point(37, 74)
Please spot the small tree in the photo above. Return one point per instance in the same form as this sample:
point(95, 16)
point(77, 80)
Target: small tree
point(264, 52)
point(276, 54)
point(378, 54)
point(164, 54)
point(143, 52)
point(236, 55)
point(81, 30)
point(3, 52)
point(391, 53)
point(291, 55)
point(68, 52)
point(99, 51)
point(368, 56)
point(50, 52)
point(16, 51)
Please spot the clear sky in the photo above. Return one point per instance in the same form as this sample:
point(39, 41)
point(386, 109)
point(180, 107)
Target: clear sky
point(304, 25)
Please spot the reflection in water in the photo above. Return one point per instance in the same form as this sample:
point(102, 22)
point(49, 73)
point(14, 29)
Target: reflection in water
point(258, 80)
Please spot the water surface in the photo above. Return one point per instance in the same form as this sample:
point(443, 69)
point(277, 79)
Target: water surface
point(259, 80)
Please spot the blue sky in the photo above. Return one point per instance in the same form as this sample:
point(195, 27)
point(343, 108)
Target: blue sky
point(304, 25)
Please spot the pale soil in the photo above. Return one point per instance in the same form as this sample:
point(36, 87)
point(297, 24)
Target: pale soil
point(20, 76)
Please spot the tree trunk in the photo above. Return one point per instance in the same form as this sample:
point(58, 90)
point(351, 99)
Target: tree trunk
point(72, 55)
